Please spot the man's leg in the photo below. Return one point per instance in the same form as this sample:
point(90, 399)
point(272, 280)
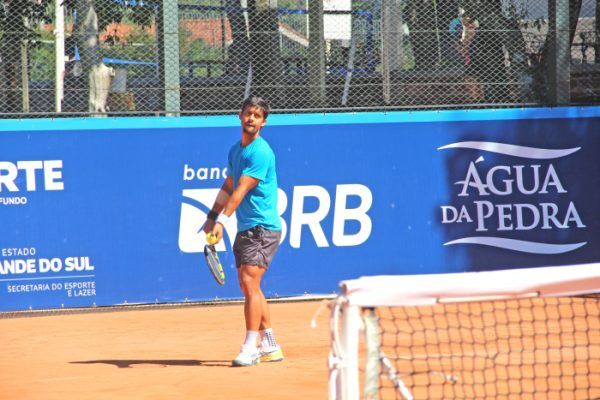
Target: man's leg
point(256, 310)
point(249, 277)
point(265, 320)
point(269, 348)
point(254, 300)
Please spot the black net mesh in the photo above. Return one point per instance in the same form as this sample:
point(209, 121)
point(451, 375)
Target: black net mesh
point(517, 349)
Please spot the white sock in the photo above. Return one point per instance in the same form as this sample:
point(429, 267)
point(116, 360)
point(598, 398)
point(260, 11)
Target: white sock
point(251, 337)
point(267, 338)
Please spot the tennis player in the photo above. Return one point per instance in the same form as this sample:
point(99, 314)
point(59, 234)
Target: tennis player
point(250, 190)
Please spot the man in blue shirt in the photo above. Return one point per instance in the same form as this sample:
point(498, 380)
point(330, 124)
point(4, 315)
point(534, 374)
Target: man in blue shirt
point(250, 191)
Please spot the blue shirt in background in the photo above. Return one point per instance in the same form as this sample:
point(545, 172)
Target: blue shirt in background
point(259, 206)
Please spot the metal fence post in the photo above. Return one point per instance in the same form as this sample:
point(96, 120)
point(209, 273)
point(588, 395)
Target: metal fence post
point(59, 43)
point(316, 52)
point(559, 68)
point(170, 56)
point(349, 341)
point(392, 47)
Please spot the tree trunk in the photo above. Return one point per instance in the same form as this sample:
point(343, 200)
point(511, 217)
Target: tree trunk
point(541, 70)
point(264, 44)
point(237, 56)
point(96, 74)
point(487, 59)
point(597, 41)
point(316, 55)
point(10, 63)
point(519, 68)
point(421, 23)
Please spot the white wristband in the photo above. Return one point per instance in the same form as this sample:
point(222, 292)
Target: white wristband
point(222, 219)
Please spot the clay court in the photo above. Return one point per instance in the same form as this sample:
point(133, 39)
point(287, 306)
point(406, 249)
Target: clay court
point(164, 353)
point(185, 351)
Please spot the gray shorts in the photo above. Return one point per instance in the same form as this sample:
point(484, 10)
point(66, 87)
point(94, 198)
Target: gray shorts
point(256, 246)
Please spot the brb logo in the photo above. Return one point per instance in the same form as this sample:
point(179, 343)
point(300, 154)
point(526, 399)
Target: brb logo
point(499, 202)
point(197, 203)
point(29, 176)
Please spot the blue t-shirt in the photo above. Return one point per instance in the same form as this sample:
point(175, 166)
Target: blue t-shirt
point(259, 206)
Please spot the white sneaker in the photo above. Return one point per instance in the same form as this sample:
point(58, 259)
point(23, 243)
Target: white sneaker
point(248, 356)
point(271, 353)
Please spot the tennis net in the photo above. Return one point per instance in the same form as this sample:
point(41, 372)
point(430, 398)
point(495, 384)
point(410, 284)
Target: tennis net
point(512, 334)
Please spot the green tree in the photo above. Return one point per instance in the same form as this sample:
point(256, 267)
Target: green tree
point(16, 19)
point(92, 18)
point(541, 68)
point(259, 47)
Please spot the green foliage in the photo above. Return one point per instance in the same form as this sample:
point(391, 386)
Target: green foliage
point(42, 58)
point(17, 17)
point(197, 50)
point(199, 59)
point(109, 11)
point(211, 3)
point(292, 4)
point(142, 15)
point(20, 22)
point(139, 46)
point(363, 5)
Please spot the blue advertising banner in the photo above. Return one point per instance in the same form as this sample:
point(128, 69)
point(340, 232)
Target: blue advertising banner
point(109, 211)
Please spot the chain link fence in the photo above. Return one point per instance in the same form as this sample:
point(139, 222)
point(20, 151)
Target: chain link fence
point(175, 57)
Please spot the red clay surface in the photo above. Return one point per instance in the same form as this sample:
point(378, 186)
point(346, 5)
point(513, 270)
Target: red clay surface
point(182, 353)
point(185, 353)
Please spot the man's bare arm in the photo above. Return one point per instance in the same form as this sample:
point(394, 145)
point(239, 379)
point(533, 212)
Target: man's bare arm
point(224, 195)
point(220, 202)
point(245, 184)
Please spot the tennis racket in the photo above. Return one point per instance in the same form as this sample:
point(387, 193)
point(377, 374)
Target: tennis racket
point(214, 265)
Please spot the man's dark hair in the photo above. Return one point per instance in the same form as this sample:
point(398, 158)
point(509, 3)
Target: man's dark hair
point(255, 101)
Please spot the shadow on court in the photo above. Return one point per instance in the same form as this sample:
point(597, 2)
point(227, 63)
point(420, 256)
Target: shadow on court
point(75, 357)
point(158, 363)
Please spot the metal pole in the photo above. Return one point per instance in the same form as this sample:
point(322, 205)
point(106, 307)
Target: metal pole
point(248, 87)
point(350, 62)
point(385, 50)
point(350, 339)
point(316, 54)
point(559, 56)
point(597, 41)
point(223, 34)
point(392, 52)
point(437, 32)
point(59, 50)
point(170, 16)
point(25, 75)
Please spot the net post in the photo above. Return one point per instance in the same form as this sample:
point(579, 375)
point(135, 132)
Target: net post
point(349, 343)
point(373, 356)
